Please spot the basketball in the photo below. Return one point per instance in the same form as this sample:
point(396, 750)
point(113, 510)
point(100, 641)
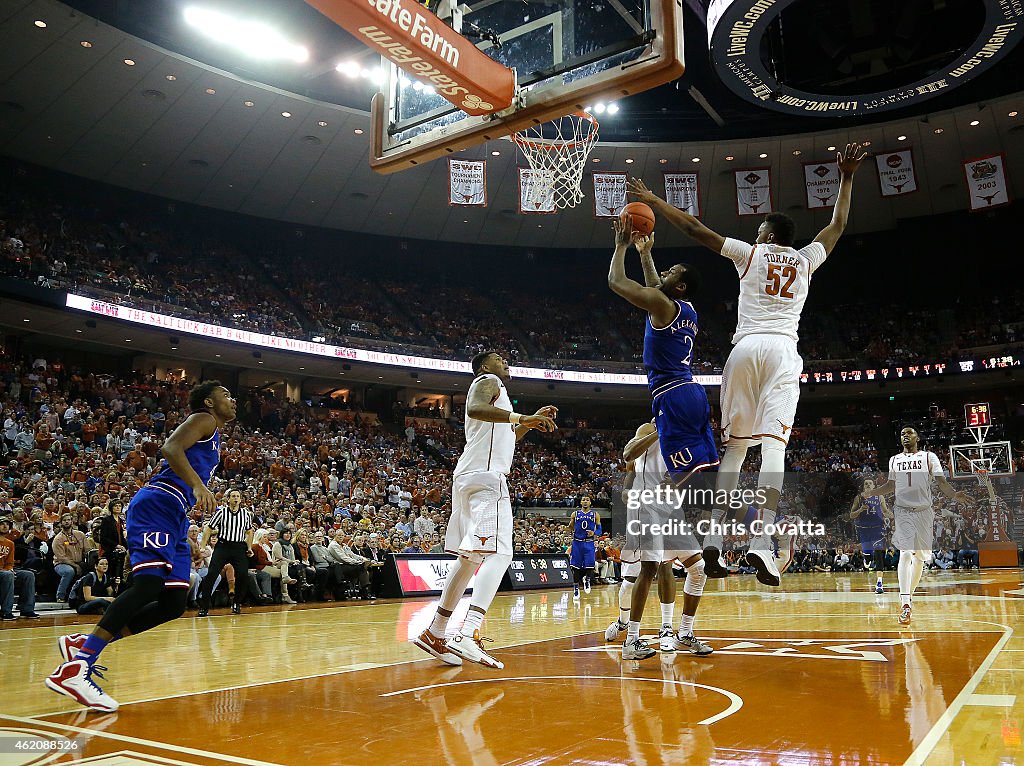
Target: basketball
point(642, 215)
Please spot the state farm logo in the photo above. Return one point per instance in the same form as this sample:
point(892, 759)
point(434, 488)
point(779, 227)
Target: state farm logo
point(983, 169)
point(821, 171)
point(752, 178)
point(894, 160)
point(473, 101)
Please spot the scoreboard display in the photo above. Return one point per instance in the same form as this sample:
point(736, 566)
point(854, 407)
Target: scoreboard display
point(529, 571)
point(978, 415)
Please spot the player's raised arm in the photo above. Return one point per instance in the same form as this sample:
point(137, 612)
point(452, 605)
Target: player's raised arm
point(887, 488)
point(682, 220)
point(644, 246)
point(652, 300)
point(848, 163)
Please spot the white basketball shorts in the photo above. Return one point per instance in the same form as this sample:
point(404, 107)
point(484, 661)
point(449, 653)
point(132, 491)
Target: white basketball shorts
point(761, 388)
point(481, 521)
point(914, 530)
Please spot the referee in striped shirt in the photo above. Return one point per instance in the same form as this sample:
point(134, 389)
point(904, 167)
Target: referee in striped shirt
point(234, 527)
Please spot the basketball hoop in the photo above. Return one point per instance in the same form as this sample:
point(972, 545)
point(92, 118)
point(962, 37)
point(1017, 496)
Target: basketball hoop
point(558, 162)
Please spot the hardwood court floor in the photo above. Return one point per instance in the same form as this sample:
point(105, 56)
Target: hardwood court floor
point(817, 672)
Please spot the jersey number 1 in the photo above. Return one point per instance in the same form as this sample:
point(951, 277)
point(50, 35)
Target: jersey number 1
point(775, 280)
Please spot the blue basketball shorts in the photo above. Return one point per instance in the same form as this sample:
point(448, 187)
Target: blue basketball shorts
point(581, 554)
point(683, 418)
point(157, 531)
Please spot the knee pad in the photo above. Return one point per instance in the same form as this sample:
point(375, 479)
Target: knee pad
point(695, 579)
point(773, 463)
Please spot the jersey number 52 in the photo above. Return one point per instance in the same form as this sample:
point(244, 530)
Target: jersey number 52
point(775, 286)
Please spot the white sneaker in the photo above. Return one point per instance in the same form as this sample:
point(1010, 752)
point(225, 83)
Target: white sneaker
point(614, 631)
point(69, 645)
point(437, 647)
point(586, 585)
point(637, 649)
point(471, 648)
point(74, 679)
point(693, 645)
point(667, 639)
point(764, 562)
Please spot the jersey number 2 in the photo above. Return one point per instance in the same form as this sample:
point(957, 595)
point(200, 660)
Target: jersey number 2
point(775, 286)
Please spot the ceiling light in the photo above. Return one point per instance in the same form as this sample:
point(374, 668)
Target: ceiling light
point(695, 159)
point(629, 160)
point(26, 320)
point(901, 138)
point(40, 23)
point(322, 123)
point(349, 69)
point(599, 108)
point(252, 38)
point(417, 86)
point(663, 161)
point(85, 44)
point(938, 131)
point(130, 62)
point(429, 90)
point(127, 340)
point(260, 361)
point(495, 154)
point(302, 368)
point(217, 355)
point(762, 155)
point(358, 131)
point(729, 158)
point(797, 152)
point(170, 77)
point(613, 108)
point(1012, 114)
point(78, 330)
point(174, 348)
point(249, 103)
point(286, 114)
point(975, 123)
point(211, 91)
point(596, 159)
point(831, 149)
point(866, 143)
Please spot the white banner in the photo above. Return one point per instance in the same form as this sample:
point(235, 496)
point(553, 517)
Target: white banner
point(467, 182)
point(753, 191)
point(536, 192)
point(609, 194)
point(986, 180)
point(681, 191)
point(822, 182)
point(896, 173)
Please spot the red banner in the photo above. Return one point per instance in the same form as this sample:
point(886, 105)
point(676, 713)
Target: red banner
point(426, 49)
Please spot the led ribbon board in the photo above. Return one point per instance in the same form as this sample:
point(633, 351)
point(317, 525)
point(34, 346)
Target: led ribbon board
point(736, 29)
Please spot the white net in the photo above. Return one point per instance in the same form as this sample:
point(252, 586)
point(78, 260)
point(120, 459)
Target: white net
point(558, 158)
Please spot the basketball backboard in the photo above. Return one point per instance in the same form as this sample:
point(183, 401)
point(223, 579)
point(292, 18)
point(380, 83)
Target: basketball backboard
point(566, 54)
point(996, 458)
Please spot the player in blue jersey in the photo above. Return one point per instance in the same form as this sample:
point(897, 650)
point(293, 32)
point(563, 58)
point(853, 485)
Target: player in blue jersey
point(586, 525)
point(157, 527)
point(868, 515)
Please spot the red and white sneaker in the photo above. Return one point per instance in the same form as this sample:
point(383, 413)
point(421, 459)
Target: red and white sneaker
point(69, 645)
point(74, 679)
point(471, 648)
point(437, 647)
point(905, 615)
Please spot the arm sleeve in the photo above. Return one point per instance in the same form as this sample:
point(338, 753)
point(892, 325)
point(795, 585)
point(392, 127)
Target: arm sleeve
point(815, 254)
point(739, 252)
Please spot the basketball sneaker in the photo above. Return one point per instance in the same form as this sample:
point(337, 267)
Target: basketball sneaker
point(471, 648)
point(667, 639)
point(437, 647)
point(693, 645)
point(69, 645)
point(764, 562)
point(576, 591)
point(614, 631)
point(637, 649)
point(714, 567)
point(74, 679)
point(879, 588)
point(905, 615)
point(586, 585)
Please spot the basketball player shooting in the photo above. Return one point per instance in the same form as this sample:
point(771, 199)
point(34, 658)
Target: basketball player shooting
point(761, 379)
point(910, 475)
point(480, 529)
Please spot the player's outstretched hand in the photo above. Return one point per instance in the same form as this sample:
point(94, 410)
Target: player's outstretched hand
point(645, 245)
point(548, 411)
point(850, 160)
point(638, 189)
point(205, 501)
point(963, 497)
point(538, 423)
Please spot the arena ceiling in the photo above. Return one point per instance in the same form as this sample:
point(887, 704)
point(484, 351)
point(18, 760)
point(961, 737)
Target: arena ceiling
point(220, 139)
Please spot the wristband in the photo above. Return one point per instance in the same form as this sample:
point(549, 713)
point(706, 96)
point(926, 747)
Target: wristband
point(514, 417)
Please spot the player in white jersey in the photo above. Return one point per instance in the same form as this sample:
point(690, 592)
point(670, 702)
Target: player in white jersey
point(761, 379)
point(910, 477)
point(480, 528)
point(643, 556)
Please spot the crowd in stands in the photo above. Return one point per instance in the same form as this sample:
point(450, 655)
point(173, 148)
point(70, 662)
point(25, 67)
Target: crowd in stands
point(140, 258)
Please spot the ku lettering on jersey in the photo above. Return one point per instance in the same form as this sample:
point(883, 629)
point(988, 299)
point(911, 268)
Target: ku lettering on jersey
point(157, 517)
point(582, 554)
point(680, 404)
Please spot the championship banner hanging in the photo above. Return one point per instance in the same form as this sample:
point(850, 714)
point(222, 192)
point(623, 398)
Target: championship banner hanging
point(681, 192)
point(753, 191)
point(986, 181)
point(609, 194)
point(467, 183)
point(896, 173)
point(822, 182)
point(536, 191)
